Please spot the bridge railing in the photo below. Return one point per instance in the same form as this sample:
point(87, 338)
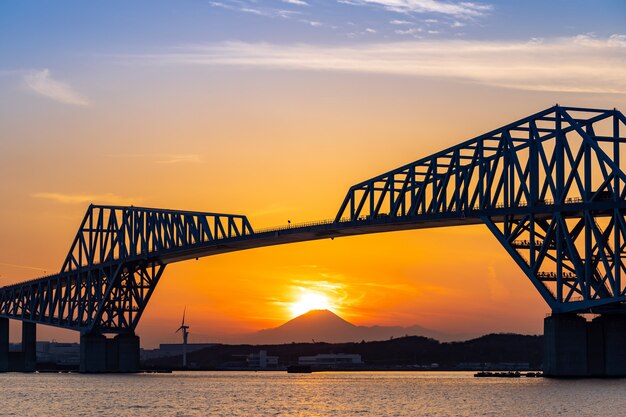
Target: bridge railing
point(383, 216)
point(290, 226)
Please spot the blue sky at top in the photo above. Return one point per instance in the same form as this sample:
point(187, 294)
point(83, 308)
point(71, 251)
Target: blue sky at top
point(34, 33)
point(557, 45)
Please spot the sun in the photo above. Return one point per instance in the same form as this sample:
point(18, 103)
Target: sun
point(309, 300)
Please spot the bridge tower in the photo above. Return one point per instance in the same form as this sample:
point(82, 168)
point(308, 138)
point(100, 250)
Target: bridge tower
point(552, 189)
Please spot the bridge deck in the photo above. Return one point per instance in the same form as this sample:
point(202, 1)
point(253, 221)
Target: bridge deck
point(329, 229)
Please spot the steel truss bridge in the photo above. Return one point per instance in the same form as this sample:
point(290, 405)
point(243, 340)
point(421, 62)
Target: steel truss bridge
point(550, 187)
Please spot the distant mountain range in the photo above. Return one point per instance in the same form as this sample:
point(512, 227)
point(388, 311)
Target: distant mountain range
point(326, 326)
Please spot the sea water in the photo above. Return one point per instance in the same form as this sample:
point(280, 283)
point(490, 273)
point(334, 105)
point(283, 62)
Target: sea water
point(317, 394)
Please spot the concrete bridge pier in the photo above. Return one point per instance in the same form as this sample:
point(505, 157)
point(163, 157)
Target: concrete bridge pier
point(24, 361)
point(575, 347)
point(29, 346)
point(614, 343)
point(4, 345)
point(93, 353)
point(565, 346)
point(128, 352)
point(99, 354)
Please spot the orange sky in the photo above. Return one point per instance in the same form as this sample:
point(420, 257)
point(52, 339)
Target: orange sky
point(290, 154)
point(276, 143)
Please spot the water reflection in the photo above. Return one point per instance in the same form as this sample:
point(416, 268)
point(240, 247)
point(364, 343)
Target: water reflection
point(317, 394)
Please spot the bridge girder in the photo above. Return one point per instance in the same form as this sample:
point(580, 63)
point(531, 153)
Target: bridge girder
point(110, 233)
point(550, 187)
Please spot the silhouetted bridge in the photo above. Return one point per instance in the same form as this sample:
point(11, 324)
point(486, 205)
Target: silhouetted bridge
point(550, 187)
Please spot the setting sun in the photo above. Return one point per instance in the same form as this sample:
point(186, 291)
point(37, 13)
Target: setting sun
point(308, 301)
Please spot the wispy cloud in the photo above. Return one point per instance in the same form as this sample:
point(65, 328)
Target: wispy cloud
point(253, 8)
point(34, 268)
point(578, 64)
point(42, 83)
point(178, 159)
point(163, 158)
point(107, 198)
point(458, 9)
point(411, 31)
point(315, 16)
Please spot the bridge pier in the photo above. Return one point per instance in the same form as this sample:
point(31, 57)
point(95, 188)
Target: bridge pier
point(574, 347)
point(93, 353)
point(565, 346)
point(24, 360)
point(4, 345)
point(128, 352)
point(29, 346)
point(614, 338)
point(99, 354)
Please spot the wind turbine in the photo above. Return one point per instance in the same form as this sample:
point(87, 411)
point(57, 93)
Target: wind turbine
point(185, 335)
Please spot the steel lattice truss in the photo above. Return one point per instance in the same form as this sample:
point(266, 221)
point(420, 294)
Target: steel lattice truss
point(113, 267)
point(551, 188)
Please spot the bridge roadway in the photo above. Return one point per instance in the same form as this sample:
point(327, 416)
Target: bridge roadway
point(550, 187)
point(329, 229)
point(294, 233)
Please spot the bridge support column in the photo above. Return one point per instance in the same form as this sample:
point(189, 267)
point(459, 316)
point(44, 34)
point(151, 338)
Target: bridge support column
point(29, 346)
point(128, 352)
point(93, 353)
point(574, 347)
point(99, 354)
point(614, 332)
point(565, 346)
point(4, 345)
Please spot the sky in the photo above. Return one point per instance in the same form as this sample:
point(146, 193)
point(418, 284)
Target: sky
point(273, 109)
